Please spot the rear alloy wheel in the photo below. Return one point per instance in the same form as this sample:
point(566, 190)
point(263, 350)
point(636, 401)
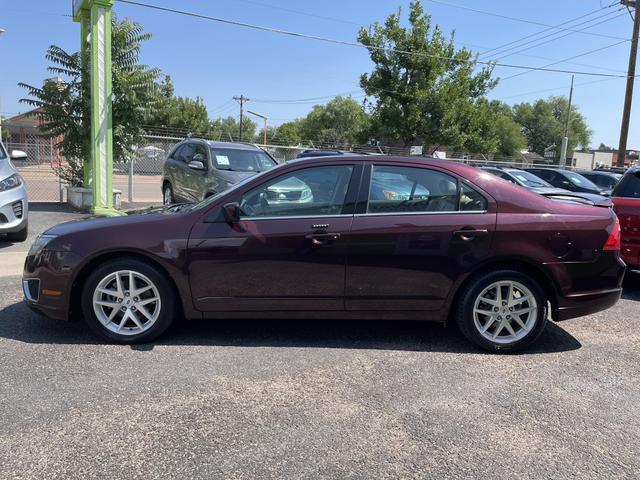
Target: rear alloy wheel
point(502, 311)
point(128, 301)
point(167, 195)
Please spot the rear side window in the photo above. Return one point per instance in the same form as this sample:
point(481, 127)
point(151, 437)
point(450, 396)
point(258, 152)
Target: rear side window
point(629, 186)
point(408, 189)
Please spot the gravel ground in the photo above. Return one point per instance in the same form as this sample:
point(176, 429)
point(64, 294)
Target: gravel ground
point(284, 399)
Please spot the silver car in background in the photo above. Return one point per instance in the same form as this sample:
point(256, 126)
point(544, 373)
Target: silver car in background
point(13, 198)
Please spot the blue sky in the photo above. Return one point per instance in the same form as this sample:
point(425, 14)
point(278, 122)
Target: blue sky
point(216, 61)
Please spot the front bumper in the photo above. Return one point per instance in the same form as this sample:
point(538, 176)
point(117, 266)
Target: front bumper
point(46, 283)
point(14, 210)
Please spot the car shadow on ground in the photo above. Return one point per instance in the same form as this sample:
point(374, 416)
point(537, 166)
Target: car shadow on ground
point(631, 289)
point(17, 322)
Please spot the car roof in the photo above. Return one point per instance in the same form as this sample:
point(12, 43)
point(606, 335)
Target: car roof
point(221, 144)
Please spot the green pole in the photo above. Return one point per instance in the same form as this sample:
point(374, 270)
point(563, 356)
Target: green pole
point(84, 46)
point(99, 26)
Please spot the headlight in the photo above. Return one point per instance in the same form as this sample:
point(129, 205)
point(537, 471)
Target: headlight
point(8, 183)
point(40, 243)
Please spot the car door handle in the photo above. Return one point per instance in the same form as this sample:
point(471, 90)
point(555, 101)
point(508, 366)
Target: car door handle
point(322, 238)
point(469, 234)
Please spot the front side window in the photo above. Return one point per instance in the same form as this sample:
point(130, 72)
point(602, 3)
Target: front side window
point(307, 192)
point(186, 153)
point(200, 154)
point(241, 160)
point(408, 189)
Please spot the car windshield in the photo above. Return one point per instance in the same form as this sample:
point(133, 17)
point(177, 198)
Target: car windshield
point(581, 181)
point(529, 179)
point(213, 198)
point(238, 160)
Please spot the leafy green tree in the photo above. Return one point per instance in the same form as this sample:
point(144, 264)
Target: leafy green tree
point(288, 133)
point(229, 129)
point(341, 121)
point(605, 148)
point(64, 106)
point(180, 113)
point(510, 139)
point(543, 124)
point(424, 89)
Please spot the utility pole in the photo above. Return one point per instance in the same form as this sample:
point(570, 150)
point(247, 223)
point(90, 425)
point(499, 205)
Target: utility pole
point(265, 119)
point(241, 99)
point(565, 139)
point(631, 74)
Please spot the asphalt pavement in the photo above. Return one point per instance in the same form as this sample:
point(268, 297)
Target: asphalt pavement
point(316, 399)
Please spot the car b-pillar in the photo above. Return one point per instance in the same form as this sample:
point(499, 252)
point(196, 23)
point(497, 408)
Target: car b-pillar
point(95, 19)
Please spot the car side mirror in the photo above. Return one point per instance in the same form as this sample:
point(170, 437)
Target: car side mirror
point(18, 155)
point(231, 212)
point(196, 165)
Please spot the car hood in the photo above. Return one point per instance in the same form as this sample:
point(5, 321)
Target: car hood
point(233, 176)
point(96, 223)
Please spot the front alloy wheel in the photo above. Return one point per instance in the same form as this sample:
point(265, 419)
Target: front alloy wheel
point(167, 195)
point(128, 301)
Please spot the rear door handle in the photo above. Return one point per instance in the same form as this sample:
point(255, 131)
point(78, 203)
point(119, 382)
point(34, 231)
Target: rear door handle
point(469, 234)
point(322, 238)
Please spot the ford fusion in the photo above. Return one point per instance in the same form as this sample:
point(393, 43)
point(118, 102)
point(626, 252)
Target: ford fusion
point(362, 237)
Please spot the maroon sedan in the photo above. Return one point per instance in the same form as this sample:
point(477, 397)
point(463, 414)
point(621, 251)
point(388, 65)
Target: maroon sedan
point(358, 237)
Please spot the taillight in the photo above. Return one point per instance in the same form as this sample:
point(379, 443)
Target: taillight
point(614, 240)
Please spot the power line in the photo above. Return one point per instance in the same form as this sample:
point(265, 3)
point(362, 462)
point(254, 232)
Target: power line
point(352, 44)
point(304, 100)
point(549, 40)
point(524, 20)
point(299, 12)
point(568, 58)
point(542, 32)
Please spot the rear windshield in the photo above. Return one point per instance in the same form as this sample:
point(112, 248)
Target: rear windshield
point(529, 179)
point(580, 181)
point(241, 160)
point(629, 186)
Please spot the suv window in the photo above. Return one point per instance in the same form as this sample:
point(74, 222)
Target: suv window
point(200, 154)
point(309, 192)
point(241, 160)
point(629, 186)
point(546, 175)
point(409, 189)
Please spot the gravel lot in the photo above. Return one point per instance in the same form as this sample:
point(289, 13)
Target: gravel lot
point(284, 399)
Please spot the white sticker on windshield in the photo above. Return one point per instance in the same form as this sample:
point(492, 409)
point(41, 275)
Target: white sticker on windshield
point(222, 160)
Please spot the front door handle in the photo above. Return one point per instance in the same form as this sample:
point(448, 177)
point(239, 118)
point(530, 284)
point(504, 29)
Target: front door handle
point(469, 234)
point(322, 238)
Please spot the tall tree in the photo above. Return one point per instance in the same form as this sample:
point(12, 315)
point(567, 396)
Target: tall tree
point(229, 129)
point(180, 113)
point(508, 132)
point(341, 121)
point(543, 124)
point(288, 133)
point(64, 106)
point(424, 89)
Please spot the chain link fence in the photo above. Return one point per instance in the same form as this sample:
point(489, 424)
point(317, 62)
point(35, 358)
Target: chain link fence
point(140, 177)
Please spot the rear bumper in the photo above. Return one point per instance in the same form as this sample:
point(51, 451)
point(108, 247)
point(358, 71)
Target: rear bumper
point(586, 303)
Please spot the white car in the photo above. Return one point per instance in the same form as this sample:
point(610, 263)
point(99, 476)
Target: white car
point(13, 198)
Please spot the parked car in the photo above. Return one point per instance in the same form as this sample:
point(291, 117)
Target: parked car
point(469, 248)
point(14, 206)
point(537, 185)
point(317, 152)
point(196, 169)
point(567, 179)
point(626, 201)
point(605, 180)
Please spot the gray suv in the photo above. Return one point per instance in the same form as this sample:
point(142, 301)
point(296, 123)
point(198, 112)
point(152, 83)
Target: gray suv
point(196, 169)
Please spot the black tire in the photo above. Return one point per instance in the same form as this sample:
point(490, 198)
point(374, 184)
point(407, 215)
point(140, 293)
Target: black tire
point(168, 303)
point(464, 315)
point(167, 195)
point(19, 236)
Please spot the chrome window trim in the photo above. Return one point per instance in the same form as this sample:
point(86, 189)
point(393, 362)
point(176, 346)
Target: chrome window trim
point(452, 212)
point(296, 217)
